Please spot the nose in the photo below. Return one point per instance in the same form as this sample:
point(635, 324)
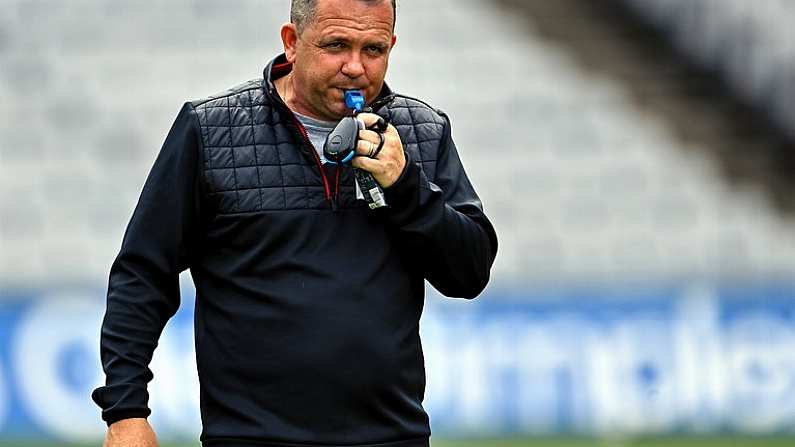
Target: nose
point(353, 67)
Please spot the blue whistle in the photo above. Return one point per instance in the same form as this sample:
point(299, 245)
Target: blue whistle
point(340, 146)
point(354, 100)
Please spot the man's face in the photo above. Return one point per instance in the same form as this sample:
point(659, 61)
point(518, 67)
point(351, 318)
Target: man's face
point(346, 46)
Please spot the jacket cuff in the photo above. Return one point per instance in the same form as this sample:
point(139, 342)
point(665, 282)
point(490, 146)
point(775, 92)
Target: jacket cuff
point(125, 414)
point(122, 402)
point(404, 193)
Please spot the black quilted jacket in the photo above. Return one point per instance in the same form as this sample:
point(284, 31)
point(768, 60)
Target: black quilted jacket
point(308, 302)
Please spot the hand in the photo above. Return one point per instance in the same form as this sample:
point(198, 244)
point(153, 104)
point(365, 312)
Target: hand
point(387, 166)
point(133, 432)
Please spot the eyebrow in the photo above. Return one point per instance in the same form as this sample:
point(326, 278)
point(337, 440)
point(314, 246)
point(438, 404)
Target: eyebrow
point(338, 38)
point(332, 38)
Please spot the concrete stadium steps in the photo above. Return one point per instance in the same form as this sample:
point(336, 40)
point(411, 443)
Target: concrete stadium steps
point(692, 193)
point(582, 172)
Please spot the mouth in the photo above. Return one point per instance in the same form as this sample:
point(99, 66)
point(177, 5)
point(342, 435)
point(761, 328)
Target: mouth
point(343, 89)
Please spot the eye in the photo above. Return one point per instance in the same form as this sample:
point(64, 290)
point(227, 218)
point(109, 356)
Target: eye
point(375, 50)
point(334, 46)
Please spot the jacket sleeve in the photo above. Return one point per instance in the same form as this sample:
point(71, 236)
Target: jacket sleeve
point(143, 289)
point(443, 224)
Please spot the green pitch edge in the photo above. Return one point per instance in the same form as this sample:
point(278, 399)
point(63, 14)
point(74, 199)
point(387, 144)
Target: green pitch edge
point(541, 442)
point(642, 442)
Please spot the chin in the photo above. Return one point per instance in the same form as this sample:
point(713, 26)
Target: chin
point(339, 110)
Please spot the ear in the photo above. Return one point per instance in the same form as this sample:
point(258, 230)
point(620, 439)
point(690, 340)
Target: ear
point(289, 39)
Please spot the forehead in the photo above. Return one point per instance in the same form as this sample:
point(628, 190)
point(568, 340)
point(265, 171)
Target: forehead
point(336, 15)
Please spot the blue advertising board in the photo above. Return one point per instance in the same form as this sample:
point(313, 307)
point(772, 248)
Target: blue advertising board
point(646, 359)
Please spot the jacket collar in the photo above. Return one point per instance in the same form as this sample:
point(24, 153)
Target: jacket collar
point(279, 67)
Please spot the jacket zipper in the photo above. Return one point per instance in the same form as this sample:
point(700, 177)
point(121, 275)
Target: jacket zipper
point(318, 163)
point(337, 187)
point(308, 145)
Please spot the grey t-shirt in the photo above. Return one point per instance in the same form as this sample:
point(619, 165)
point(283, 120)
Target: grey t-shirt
point(318, 131)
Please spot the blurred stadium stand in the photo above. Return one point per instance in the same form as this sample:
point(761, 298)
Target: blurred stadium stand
point(701, 184)
point(602, 156)
point(585, 180)
point(750, 44)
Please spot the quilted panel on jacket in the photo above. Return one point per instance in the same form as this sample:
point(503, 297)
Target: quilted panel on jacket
point(252, 160)
point(420, 128)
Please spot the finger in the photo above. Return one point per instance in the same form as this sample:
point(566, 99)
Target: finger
point(369, 135)
point(367, 164)
point(392, 130)
point(379, 147)
point(368, 119)
point(365, 147)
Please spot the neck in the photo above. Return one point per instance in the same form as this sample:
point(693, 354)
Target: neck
point(285, 88)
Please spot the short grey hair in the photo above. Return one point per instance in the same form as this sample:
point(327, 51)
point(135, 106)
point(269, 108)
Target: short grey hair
point(302, 12)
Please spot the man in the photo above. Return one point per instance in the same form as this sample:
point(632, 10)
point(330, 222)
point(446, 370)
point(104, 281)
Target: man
point(308, 302)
